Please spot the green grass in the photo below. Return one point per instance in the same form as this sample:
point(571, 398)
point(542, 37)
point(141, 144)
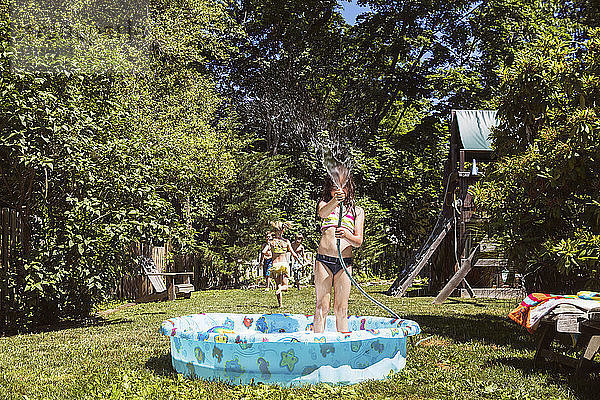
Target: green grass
point(474, 352)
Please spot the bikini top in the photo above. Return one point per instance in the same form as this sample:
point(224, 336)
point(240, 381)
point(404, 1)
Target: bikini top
point(279, 246)
point(333, 219)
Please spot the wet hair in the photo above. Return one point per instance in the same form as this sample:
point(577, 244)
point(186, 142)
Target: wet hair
point(343, 177)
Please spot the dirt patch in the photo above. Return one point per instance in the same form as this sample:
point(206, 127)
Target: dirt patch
point(434, 342)
point(104, 313)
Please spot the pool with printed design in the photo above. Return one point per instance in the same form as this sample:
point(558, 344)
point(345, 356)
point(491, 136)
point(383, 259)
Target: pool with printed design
point(282, 349)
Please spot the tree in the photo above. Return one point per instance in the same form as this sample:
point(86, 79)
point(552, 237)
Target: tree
point(542, 192)
point(101, 150)
point(302, 70)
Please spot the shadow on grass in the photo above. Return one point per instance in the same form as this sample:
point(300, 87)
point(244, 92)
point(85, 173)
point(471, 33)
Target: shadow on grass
point(471, 302)
point(61, 326)
point(584, 386)
point(161, 365)
point(152, 313)
point(484, 327)
point(502, 332)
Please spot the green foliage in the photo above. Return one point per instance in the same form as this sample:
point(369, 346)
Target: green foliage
point(542, 193)
point(303, 70)
point(198, 126)
point(100, 157)
point(82, 201)
point(375, 238)
point(233, 227)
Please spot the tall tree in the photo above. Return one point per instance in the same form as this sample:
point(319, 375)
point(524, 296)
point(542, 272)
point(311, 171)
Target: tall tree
point(542, 192)
point(109, 141)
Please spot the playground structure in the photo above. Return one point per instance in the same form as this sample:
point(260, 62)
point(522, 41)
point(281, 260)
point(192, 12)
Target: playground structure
point(457, 250)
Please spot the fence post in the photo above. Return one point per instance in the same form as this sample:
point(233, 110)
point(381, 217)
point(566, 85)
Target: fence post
point(12, 233)
point(3, 283)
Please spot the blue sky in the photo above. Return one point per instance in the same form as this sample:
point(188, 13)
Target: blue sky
point(351, 10)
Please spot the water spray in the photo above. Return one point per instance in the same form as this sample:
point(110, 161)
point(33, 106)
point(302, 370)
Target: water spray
point(333, 154)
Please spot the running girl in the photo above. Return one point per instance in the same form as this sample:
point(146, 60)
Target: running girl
point(296, 266)
point(280, 269)
point(266, 260)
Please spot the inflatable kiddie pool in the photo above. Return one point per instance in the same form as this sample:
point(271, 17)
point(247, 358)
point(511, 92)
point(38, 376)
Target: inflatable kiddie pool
point(282, 348)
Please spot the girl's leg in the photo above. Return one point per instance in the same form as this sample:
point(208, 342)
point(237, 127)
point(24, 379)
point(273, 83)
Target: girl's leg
point(285, 283)
point(323, 280)
point(341, 290)
point(278, 282)
point(297, 277)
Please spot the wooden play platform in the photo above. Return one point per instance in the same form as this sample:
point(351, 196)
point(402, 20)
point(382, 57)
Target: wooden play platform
point(458, 254)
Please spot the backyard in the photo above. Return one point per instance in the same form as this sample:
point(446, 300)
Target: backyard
point(166, 149)
point(469, 350)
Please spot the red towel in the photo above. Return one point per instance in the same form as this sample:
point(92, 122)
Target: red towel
point(521, 314)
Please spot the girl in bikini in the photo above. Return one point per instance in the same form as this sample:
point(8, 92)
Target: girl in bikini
point(328, 269)
point(279, 249)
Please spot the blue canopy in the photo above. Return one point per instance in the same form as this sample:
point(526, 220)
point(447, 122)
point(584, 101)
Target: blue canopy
point(474, 127)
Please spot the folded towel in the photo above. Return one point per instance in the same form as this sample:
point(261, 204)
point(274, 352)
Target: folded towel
point(585, 294)
point(521, 314)
point(536, 305)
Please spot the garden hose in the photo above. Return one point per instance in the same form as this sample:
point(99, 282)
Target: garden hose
point(360, 289)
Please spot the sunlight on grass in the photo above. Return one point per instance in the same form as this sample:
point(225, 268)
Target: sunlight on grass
point(471, 350)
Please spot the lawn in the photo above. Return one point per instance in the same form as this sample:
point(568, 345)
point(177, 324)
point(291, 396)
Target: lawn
point(471, 351)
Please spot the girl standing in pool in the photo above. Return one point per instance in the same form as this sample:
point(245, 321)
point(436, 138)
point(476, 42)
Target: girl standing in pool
point(328, 269)
point(280, 268)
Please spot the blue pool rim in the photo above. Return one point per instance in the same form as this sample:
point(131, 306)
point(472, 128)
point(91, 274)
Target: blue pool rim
point(203, 347)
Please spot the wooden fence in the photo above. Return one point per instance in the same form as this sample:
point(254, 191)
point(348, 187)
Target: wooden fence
point(209, 277)
point(12, 234)
point(134, 285)
point(204, 277)
point(159, 256)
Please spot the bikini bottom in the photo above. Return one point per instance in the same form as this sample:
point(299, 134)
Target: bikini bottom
point(279, 268)
point(333, 263)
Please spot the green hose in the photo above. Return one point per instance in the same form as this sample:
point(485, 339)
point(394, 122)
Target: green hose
point(360, 289)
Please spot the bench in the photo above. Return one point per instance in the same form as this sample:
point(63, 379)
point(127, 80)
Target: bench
point(569, 320)
point(171, 290)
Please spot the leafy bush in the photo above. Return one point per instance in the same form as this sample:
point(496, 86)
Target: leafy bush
point(100, 153)
point(542, 192)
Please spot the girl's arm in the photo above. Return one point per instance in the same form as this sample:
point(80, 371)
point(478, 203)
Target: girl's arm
point(300, 252)
point(266, 249)
point(326, 208)
point(355, 238)
point(291, 250)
